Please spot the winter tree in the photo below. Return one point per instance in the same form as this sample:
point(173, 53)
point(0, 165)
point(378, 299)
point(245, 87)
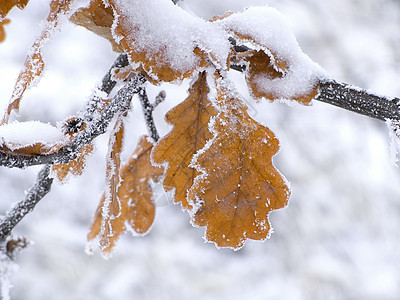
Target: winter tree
point(215, 161)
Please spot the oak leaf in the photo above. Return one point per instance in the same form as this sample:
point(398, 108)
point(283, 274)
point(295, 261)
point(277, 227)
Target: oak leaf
point(75, 167)
point(98, 19)
point(239, 185)
point(189, 134)
point(136, 196)
point(7, 5)
point(34, 63)
point(152, 48)
point(275, 66)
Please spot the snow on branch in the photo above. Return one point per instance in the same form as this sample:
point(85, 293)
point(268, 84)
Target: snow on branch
point(358, 100)
point(98, 125)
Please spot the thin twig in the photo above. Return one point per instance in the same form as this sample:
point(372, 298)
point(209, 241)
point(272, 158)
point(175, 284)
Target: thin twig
point(148, 109)
point(18, 212)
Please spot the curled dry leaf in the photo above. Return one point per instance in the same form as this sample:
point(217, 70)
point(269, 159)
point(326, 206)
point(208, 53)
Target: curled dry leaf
point(275, 66)
point(98, 19)
point(135, 194)
point(189, 135)
point(145, 33)
point(239, 185)
point(34, 63)
point(7, 5)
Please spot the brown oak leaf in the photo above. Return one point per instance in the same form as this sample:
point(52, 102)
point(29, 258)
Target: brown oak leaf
point(155, 56)
point(271, 69)
point(98, 19)
point(34, 63)
point(136, 196)
point(190, 133)
point(239, 185)
point(72, 126)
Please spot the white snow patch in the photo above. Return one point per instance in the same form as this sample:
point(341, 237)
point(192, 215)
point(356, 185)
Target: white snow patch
point(17, 135)
point(159, 26)
point(271, 33)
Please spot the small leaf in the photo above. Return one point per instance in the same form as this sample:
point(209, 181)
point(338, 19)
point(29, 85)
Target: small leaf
point(239, 185)
point(76, 166)
point(34, 63)
point(190, 133)
point(135, 194)
point(98, 19)
point(112, 206)
point(7, 5)
point(275, 66)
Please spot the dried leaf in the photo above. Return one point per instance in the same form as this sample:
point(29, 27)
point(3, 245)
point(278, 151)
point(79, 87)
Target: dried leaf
point(275, 66)
point(2, 30)
point(150, 52)
point(34, 63)
point(113, 208)
point(190, 133)
point(135, 194)
point(7, 5)
point(76, 166)
point(239, 185)
point(110, 205)
point(98, 19)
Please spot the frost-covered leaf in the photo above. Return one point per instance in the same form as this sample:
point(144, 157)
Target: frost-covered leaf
point(2, 30)
point(190, 133)
point(276, 68)
point(7, 5)
point(165, 41)
point(30, 138)
point(34, 63)
point(239, 185)
point(112, 207)
point(136, 196)
point(76, 166)
point(98, 19)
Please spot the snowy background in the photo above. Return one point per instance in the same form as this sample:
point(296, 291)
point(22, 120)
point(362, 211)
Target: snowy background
point(339, 237)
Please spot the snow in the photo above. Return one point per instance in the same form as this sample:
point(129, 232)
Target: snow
point(159, 26)
point(22, 134)
point(338, 238)
point(265, 28)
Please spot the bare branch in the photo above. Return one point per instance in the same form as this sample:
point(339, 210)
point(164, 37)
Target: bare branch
point(359, 100)
point(148, 109)
point(18, 212)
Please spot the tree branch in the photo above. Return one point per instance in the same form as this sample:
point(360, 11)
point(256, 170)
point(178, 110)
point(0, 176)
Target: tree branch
point(148, 109)
point(18, 212)
point(359, 100)
point(97, 126)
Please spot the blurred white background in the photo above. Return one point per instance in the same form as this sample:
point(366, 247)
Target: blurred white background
point(339, 237)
